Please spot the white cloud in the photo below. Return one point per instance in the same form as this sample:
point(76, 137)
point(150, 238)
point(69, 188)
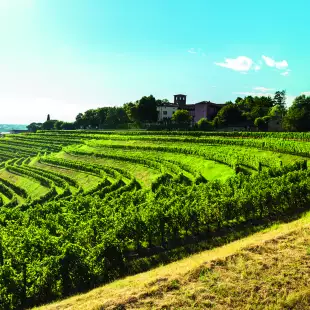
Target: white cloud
point(276, 64)
point(257, 67)
point(241, 63)
point(192, 51)
point(307, 93)
point(263, 89)
point(254, 94)
point(21, 110)
point(289, 100)
point(286, 73)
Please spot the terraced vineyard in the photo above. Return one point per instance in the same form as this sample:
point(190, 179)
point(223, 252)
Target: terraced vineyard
point(82, 208)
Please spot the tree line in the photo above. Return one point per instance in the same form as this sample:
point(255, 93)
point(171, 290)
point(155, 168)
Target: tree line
point(248, 112)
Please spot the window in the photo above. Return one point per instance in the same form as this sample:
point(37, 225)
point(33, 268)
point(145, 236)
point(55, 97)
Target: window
point(165, 112)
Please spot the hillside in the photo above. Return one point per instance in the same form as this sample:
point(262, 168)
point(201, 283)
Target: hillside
point(79, 209)
point(269, 270)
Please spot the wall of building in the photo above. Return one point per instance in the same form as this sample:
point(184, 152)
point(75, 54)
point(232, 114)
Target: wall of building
point(275, 124)
point(201, 111)
point(165, 112)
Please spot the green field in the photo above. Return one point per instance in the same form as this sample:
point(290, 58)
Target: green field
point(82, 208)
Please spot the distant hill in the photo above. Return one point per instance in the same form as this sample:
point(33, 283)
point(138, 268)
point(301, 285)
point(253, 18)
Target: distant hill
point(8, 127)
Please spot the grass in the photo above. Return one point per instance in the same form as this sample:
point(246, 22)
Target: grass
point(33, 188)
point(259, 153)
point(144, 175)
point(85, 180)
point(4, 198)
point(211, 170)
point(268, 270)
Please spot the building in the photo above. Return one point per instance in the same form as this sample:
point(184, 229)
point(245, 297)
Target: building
point(203, 109)
point(206, 109)
point(166, 111)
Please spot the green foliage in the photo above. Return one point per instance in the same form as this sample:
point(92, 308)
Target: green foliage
point(34, 127)
point(143, 110)
point(229, 115)
point(181, 117)
point(298, 115)
point(262, 122)
point(280, 100)
point(49, 124)
point(107, 117)
point(205, 124)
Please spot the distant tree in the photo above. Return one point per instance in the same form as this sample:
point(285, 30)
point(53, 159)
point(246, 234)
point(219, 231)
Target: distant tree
point(262, 122)
point(48, 125)
point(34, 127)
point(205, 124)
point(181, 117)
point(275, 111)
point(230, 114)
point(143, 110)
point(91, 118)
point(68, 126)
point(280, 100)
point(80, 121)
point(238, 100)
point(116, 116)
point(297, 117)
point(58, 125)
point(48, 117)
point(162, 102)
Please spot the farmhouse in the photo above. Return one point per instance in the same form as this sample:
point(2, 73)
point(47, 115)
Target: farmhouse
point(203, 109)
point(166, 111)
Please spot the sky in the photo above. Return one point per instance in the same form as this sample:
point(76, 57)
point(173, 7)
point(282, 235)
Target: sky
point(62, 57)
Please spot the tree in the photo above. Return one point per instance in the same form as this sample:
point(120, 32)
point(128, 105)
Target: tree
point(67, 126)
point(33, 127)
point(48, 125)
point(297, 117)
point(262, 122)
point(48, 117)
point(116, 116)
point(230, 114)
point(162, 102)
point(280, 99)
point(58, 125)
point(181, 117)
point(143, 110)
point(238, 100)
point(205, 124)
point(80, 121)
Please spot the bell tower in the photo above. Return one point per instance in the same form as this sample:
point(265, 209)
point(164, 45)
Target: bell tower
point(180, 100)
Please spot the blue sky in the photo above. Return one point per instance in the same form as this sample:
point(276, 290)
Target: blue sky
point(66, 56)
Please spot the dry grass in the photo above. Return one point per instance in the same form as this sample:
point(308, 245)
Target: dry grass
point(269, 270)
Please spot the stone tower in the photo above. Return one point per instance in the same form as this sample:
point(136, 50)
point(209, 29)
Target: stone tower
point(180, 100)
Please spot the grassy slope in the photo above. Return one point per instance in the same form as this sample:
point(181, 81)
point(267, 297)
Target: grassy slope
point(285, 158)
point(268, 270)
point(143, 174)
point(85, 180)
point(33, 188)
point(209, 169)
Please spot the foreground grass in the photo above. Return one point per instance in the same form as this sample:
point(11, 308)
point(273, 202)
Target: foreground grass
point(268, 270)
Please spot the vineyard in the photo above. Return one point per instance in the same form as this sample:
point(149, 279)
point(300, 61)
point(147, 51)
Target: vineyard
point(82, 208)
